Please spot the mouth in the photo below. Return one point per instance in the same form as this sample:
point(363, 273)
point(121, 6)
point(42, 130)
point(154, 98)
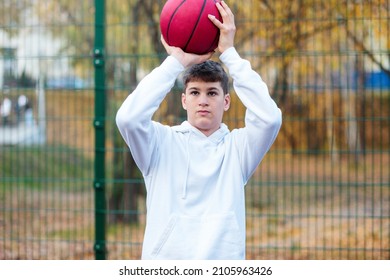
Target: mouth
point(203, 112)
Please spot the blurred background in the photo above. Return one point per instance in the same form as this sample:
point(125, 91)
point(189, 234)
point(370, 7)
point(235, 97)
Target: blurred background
point(69, 188)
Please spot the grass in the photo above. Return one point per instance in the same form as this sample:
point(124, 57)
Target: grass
point(43, 166)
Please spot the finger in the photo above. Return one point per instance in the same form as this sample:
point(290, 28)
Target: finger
point(225, 12)
point(165, 44)
point(214, 20)
point(223, 8)
point(163, 41)
point(220, 8)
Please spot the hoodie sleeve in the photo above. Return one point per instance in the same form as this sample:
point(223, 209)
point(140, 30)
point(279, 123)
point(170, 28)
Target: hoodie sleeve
point(134, 117)
point(263, 118)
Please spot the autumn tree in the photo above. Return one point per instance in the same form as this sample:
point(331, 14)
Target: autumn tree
point(306, 51)
point(12, 15)
point(132, 29)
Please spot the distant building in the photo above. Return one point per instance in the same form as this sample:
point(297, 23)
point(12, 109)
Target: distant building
point(8, 67)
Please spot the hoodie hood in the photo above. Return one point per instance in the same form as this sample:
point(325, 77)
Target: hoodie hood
point(216, 137)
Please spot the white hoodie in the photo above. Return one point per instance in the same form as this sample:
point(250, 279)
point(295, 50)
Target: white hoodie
point(195, 184)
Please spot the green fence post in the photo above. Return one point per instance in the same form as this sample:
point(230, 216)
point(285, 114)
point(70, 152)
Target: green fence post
point(99, 124)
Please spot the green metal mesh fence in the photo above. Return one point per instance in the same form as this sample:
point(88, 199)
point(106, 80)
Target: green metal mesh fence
point(322, 192)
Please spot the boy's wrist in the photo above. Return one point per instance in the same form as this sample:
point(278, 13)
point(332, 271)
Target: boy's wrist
point(173, 62)
point(228, 54)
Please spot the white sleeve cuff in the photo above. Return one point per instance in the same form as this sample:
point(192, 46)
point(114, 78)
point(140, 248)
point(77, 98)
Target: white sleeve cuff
point(229, 55)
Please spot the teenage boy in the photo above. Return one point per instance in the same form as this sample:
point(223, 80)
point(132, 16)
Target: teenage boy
point(195, 172)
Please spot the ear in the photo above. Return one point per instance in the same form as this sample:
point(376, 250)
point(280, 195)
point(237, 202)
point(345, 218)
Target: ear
point(227, 102)
point(183, 101)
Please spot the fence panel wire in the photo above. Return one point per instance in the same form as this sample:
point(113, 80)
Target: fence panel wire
point(323, 190)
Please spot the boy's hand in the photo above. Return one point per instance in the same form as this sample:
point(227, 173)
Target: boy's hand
point(227, 27)
point(186, 59)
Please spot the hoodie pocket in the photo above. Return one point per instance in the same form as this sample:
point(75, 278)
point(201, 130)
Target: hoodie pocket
point(209, 237)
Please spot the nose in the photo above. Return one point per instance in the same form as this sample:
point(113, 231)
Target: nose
point(203, 100)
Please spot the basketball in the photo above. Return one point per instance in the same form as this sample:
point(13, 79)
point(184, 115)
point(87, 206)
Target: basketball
point(185, 24)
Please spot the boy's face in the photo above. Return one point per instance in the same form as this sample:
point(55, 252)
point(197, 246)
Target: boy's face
point(205, 103)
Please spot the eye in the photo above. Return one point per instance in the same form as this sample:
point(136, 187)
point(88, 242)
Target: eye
point(194, 92)
point(212, 93)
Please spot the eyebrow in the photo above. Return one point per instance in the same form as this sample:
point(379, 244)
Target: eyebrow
point(196, 88)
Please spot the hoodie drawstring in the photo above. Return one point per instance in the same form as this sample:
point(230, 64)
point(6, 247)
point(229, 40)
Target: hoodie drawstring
point(184, 191)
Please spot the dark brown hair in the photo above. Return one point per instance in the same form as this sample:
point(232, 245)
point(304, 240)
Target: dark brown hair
point(208, 71)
